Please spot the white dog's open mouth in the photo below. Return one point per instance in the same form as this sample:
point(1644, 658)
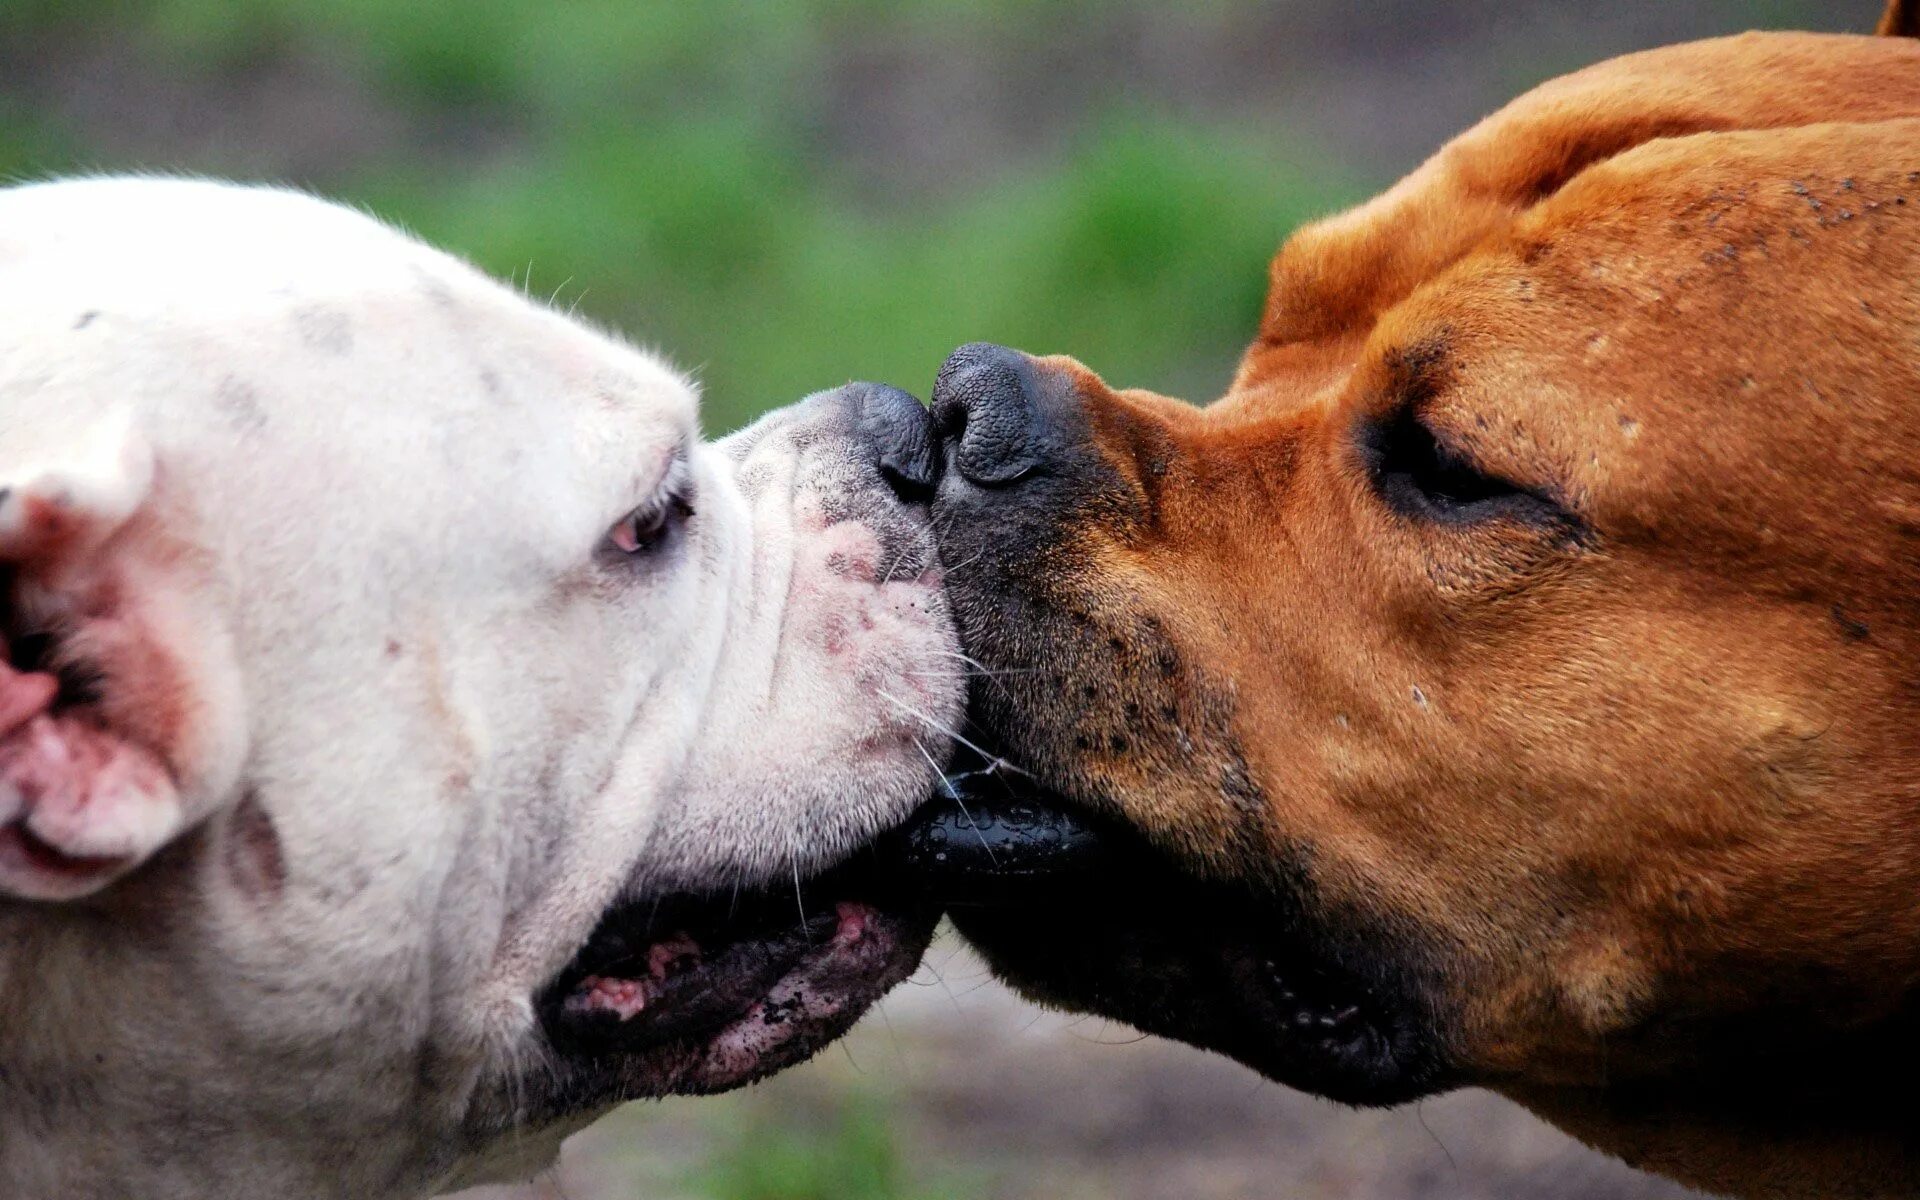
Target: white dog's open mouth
point(700, 993)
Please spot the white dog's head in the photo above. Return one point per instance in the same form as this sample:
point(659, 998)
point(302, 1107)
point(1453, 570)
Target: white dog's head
point(380, 649)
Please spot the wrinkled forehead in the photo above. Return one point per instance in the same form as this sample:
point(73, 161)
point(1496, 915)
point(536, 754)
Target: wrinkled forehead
point(324, 353)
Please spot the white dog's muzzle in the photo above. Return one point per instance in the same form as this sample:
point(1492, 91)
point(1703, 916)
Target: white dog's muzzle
point(721, 967)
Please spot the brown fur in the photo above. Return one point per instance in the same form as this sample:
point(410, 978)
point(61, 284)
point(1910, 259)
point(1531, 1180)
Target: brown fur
point(1902, 19)
point(1652, 788)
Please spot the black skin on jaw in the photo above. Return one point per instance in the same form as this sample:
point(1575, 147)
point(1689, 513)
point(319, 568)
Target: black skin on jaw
point(744, 941)
point(743, 975)
point(738, 958)
point(758, 963)
point(1078, 912)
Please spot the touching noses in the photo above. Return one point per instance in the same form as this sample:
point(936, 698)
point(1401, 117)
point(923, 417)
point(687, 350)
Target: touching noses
point(999, 421)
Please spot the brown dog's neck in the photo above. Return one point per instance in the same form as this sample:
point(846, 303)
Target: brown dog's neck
point(1781, 1109)
point(1776, 1144)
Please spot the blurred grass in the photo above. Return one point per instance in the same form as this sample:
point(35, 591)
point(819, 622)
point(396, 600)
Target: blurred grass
point(26, 143)
point(1144, 253)
point(853, 1154)
point(717, 234)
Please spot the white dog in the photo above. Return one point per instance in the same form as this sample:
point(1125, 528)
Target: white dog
point(381, 648)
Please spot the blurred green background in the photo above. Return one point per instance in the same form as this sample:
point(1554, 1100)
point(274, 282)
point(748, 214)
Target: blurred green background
point(785, 195)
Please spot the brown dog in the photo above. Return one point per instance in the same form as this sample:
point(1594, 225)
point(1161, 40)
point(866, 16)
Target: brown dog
point(1512, 679)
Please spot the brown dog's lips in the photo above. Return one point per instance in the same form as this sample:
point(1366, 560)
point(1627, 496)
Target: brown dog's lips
point(988, 837)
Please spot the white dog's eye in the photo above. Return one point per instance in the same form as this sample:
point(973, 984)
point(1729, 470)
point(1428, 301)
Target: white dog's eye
point(646, 529)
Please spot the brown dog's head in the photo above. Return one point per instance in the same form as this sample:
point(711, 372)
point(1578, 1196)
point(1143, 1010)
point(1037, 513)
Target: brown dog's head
point(1511, 680)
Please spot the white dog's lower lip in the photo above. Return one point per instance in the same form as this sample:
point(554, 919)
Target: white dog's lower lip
point(702, 993)
point(19, 844)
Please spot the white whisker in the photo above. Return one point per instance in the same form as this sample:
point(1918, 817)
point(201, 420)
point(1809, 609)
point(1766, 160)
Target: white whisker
point(962, 566)
point(947, 988)
point(949, 676)
point(921, 747)
point(899, 1055)
point(799, 901)
point(899, 557)
point(937, 727)
point(981, 669)
point(954, 794)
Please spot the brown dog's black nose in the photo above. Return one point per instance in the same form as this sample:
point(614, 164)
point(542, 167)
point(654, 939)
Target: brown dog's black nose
point(901, 434)
point(990, 408)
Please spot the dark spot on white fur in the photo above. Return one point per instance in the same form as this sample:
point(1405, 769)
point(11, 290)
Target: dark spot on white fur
point(86, 318)
point(254, 858)
point(434, 289)
point(325, 329)
point(615, 389)
point(241, 403)
point(753, 479)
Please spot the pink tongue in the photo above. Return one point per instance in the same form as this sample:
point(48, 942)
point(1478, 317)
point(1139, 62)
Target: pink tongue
point(23, 695)
point(624, 998)
point(628, 998)
point(671, 955)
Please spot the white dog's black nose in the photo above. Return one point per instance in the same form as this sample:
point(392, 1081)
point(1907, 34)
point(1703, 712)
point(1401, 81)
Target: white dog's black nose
point(901, 433)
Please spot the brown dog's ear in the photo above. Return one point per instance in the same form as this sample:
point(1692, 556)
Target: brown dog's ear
point(1334, 278)
point(80, 804)
point(1902, 19)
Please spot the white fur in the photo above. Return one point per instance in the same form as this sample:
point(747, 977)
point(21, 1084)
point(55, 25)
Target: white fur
point(369, 545)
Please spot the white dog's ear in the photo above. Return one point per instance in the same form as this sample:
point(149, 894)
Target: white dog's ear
point(80, 805)
point(58, 509)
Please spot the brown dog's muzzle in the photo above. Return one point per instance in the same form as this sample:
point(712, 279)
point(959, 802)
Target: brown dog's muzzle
point(1058, 503)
